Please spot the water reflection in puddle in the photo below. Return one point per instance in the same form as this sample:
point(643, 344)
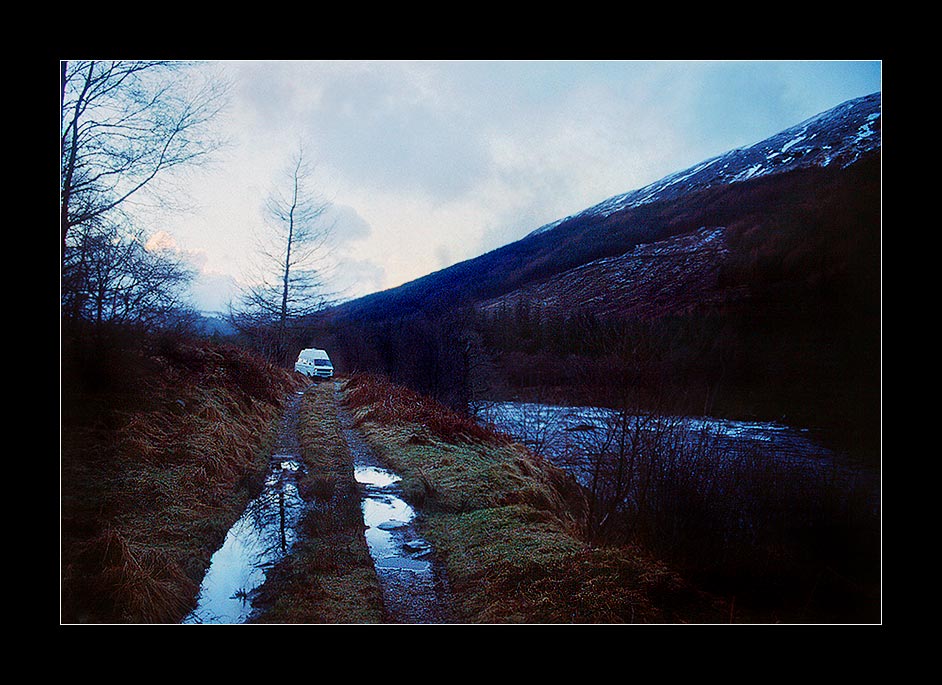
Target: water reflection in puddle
point(414, 587)
point(262, 536)
point(377, 477)
point(388, 519)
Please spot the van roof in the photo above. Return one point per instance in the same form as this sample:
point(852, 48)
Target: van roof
point(313, 353)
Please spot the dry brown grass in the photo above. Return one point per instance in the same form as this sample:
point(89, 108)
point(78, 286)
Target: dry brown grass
point(150, 484)
point(136, 583)
point(388, 403)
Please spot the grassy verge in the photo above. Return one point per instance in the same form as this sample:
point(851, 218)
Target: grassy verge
point(163, 443)
point(330, 577)
point(508, 526)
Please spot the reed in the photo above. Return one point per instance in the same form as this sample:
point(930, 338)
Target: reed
point(385, 402)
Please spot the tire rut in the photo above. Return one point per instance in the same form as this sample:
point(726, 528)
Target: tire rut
point(415, 589)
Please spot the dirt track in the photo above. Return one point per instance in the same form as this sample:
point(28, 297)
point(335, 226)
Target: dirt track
point(414, 587)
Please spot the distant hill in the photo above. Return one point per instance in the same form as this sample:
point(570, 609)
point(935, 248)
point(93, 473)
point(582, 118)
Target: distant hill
point(212, 323)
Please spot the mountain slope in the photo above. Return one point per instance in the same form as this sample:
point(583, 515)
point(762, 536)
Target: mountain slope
point(840, 136)
point(704, 195)
point(672, 275)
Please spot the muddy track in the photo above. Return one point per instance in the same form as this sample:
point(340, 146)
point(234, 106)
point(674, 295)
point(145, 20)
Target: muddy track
point(414, 586)
point(261, 536)
point(346, 549)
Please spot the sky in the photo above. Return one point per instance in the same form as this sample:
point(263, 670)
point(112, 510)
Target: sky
point(424, 164)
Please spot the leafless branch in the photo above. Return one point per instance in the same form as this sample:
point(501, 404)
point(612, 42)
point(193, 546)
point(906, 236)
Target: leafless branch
point(125, 124)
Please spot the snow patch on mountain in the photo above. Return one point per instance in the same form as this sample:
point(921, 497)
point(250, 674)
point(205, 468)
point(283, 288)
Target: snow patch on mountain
point(842, 135)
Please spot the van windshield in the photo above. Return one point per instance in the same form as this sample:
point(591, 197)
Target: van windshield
point(321, 362)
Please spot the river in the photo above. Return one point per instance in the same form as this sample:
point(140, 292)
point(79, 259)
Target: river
point(569, 436)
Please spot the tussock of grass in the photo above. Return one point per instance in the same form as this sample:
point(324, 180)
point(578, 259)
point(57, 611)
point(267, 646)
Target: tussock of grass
point(508, 526)
point(153, 479)
point(449, 462)
point(136, 581)
point(449, 477)
point(518, 565)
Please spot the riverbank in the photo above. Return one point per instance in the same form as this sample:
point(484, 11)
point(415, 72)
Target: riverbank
point(509, 527)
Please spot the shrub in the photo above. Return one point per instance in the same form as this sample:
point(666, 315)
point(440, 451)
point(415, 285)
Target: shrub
point(741, 520)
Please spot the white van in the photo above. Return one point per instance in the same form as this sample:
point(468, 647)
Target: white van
point(314, 363)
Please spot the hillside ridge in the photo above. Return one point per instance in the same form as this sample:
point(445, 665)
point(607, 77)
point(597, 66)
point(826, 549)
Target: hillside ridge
point(635, 280)
point(833, 140)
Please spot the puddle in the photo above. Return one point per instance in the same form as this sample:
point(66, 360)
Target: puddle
point(388, 521)
point(403, 564)
point(263, 535)
point(414, 588)
point(375, 476)
point(414, 591)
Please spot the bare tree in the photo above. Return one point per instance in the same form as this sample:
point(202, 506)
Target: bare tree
point(114, 275)
point(288, 282)
point(123, 125)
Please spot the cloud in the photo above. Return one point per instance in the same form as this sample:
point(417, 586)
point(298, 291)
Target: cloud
point(164, 241)
point(346, 225)
point(159, 241)
point(213, 292)
point(390, 125)
point(443, 255)
point(208, 291)
point(357, 277)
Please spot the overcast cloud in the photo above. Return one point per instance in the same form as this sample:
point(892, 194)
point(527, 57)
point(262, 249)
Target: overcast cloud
point(431, 163)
